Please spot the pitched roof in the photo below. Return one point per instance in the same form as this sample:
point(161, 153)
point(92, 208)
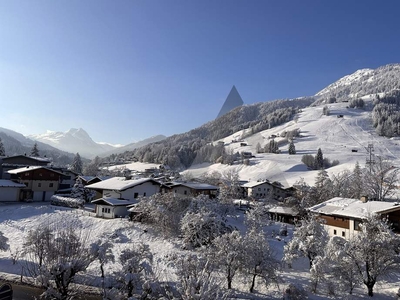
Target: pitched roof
point(252, 184)
point(9, 183)
point(31, 168)
point(119, 183)
point(193, 185)
point(284, 210)
point(113, 202)
point(353, 208)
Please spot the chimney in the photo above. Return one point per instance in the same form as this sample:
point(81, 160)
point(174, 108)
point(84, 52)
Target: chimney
point(364, 199)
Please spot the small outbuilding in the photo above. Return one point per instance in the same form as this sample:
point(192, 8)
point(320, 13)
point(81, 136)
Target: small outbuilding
point(9, 190)
point(110, 208)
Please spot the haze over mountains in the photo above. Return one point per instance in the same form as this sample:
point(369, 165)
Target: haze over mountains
point(256, 117)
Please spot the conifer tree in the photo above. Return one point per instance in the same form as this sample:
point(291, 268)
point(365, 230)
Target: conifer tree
point(2, 150)
point(77, 165)
point(319, 160)
point(292, 148)
point(35, 150)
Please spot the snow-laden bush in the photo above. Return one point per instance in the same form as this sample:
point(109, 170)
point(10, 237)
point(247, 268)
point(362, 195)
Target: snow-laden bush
point(295, 292)
point(67, 201)
point(200, 228)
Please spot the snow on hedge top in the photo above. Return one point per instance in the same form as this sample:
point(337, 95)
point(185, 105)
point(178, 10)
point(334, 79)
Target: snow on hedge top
point(9, 183)
point(354, 208)
point(118, 183)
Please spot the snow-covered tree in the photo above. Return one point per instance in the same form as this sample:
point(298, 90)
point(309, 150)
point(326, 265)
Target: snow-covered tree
point(309, 240)
point(257, 217)
point(227, 253)
point(92, 169)
point(2, 150)
point(201, 227)
point(65, 255)
point(229, 190)
point(340, 266)
point(292, 148)
point(136, 264)
point(373, 252)
point(102, 251)
point(319, 160)
point(196, 278)
point(78, 190)
point(259, 261)
point(382, 181)
point(272, 147)
point(3, 242)
point(357, 182)
point(35, 150)
point(77, 165)
point(323, 186)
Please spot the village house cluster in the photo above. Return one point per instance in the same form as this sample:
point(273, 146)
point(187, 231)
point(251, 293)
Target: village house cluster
point(34, 179)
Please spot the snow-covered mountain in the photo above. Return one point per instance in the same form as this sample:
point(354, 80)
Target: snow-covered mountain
point(343, 135)
point(364, 82)
point(74, 140)
point(134, 145)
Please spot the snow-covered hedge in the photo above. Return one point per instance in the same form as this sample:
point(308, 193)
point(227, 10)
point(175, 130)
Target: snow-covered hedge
point(67, 201)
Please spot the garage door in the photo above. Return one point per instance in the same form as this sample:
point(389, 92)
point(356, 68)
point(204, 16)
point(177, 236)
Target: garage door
point(8, 194)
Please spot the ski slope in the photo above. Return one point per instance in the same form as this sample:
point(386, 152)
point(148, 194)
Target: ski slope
point(343, 138)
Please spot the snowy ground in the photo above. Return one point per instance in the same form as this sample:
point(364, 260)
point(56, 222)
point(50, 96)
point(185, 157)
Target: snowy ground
point(17, 219)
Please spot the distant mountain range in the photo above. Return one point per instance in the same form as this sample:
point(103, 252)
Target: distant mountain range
point(73, 141)
point(183, 148)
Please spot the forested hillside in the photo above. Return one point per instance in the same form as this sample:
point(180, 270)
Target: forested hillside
point(363, 82)
point(182, 150)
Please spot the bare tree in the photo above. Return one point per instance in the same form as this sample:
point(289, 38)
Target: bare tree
point(3, 242)
point(382, 181)
point(102, 251)
point(59, 258)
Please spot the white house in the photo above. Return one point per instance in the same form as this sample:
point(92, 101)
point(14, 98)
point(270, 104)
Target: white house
point(190, 189)
point(123, 188)
point(265, 189)
point(111, 208)
point(342, 216)
point(10, 190)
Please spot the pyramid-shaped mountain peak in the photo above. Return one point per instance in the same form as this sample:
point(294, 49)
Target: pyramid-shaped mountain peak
point(232, 101)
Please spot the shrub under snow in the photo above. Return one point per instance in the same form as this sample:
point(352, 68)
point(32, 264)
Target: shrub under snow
point(67, 201)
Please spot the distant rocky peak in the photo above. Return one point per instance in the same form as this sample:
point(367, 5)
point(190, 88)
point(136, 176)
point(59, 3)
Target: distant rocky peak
point(232, 101)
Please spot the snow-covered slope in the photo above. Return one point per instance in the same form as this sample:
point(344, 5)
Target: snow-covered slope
point(74, 140)
point(338, 138)
point(364, 82)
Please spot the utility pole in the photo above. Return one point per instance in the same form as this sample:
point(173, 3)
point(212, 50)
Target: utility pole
point(370, 159)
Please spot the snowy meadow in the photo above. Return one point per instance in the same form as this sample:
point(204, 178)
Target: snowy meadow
point(17, 220)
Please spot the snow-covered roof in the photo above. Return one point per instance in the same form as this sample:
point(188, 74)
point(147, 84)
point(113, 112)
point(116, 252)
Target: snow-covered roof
point(9, 183)
point(31, 168)
point(41, 159)
point(284, 210)
point(193, 185)
point(119, 183)
point(113, 202)
point(353, 208)
point(252, 184)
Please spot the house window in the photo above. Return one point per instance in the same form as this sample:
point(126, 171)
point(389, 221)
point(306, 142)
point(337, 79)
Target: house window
point(334, 231)
point(144, 194)
point(26, 183)
point(52, 175)
point(40, 174)
point(185, 192)
point(343, 234)
point(50, 184)
point(26, 174)
point(39, 184)
point(357, 224)
point(259, 189)
point(135, 195)
point(106, 210)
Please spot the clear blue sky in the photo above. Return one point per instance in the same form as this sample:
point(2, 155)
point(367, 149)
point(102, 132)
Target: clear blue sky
point(127, 70)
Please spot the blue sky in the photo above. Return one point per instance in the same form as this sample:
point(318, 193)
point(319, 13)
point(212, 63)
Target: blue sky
point(128, 70)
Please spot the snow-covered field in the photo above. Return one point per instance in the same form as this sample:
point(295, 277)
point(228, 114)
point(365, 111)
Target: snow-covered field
point(17, 219)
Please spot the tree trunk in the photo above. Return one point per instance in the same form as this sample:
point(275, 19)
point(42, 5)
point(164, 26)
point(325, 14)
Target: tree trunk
point(370, 290)
point(253, 282)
